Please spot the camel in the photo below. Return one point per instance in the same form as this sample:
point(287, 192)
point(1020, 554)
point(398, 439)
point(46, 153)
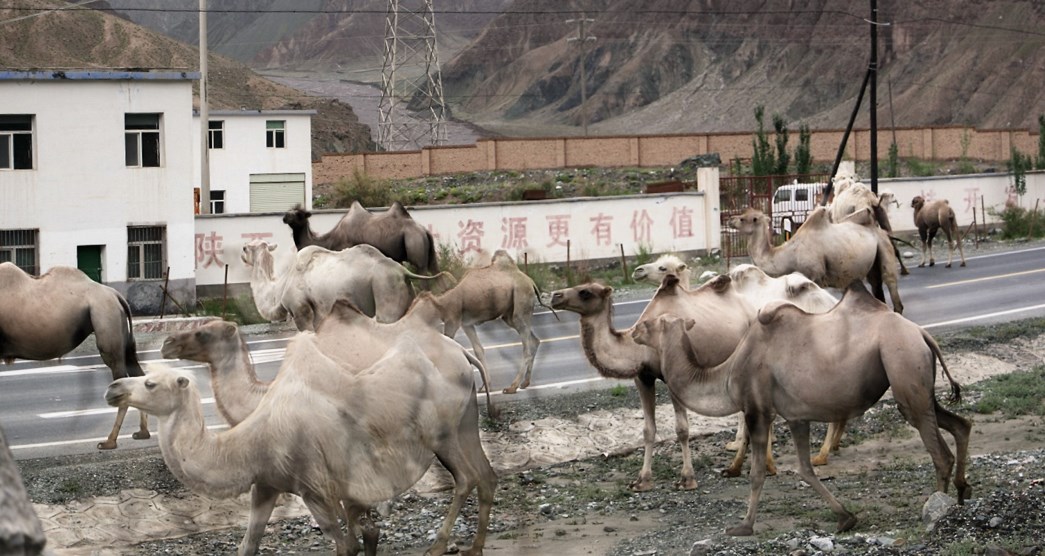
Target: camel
point(932, 216)
point(658, 269)
point(393, 232)
point(318, 277)
point(20, 529)
point(332, 434)
point(856, 351)
point(851, 198)
point(830, 254)
point(498, 290)
point(71, 307)
point(724, 316)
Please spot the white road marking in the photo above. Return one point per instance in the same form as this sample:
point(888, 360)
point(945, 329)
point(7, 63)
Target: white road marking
point(984, 279)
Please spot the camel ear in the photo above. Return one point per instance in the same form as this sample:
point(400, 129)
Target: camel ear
point(689, 324)
point(183, 382)
point(229, 330)
point(606, 292)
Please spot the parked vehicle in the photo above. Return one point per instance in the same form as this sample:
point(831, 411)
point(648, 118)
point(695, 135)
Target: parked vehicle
point(791, 204)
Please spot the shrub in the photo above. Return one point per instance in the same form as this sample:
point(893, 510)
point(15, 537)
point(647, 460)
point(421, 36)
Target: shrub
point(919, 168)
point(803, 151)
point(1018, 165)
point(360, 187)
point(892, 167)
point(1019, 223)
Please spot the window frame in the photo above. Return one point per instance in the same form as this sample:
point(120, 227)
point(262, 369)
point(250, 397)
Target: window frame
point(20, 241)
point(276, 137)
point(138, 257)
point(138, 133)
point(17, 145)
point(216, 132)
point(217, 206)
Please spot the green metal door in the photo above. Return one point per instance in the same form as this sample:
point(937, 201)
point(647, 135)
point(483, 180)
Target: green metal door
point(89, 260)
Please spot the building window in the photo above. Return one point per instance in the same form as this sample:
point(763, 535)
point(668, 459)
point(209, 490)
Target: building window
point(216, 134)
point(145, 251)
point(275, 134)
point(217, 202)
point(19, 247)
point(16, 142)
point(142, 140)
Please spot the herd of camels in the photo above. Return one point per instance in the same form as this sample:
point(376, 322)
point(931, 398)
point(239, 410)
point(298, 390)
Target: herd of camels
point(373, 388)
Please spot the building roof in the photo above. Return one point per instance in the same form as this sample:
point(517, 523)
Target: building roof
point(255, 112)
point(127, 74)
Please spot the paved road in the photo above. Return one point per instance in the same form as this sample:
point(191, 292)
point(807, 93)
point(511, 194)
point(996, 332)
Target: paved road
point(56, 407)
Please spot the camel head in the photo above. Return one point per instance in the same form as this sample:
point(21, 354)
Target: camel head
point(585, 299)
point(917, 203)
point(658, 269)
point(297, 217)
point(749, 221)
point(748, 276)
point(886, 198)
point(257, 250)
point(161, 392)
point(202, 343)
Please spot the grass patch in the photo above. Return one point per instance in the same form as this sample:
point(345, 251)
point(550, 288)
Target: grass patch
point(370, 192)
point(240, 310)
point(1015, 394)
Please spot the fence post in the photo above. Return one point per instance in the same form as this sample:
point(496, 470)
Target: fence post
point(1033, 219)
point(569, 270)
point(225, 292)
point(623, 263)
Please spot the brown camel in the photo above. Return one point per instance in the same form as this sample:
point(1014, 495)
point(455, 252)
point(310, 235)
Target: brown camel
point(830, 254)
point(71, 306)
point(932, 216)
point(318, 277)
point(498, 290)
point(394, 232)
point(20, 529)
point(722, 314)
point(328, 432)
point(790, 357)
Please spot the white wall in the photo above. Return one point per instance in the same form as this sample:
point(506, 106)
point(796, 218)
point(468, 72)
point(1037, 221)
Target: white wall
point(80, 191)
point(245, 153)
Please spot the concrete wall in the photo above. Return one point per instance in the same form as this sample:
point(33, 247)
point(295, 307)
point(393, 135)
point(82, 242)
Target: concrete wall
point(245, 153)
point(946, 143)
point(81, 192)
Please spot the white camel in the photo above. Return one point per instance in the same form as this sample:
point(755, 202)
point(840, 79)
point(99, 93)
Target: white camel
point(790, 357)
point(499, 290)
point(854, 201)
point(327, 432)
point(665, 264)
point(317, 277)
point(830, 254)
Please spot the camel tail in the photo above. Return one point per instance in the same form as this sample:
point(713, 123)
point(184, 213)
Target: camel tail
point(491, 409)
point(956, 389)
point(537, 291)
point(130, 347)
point(433, 260)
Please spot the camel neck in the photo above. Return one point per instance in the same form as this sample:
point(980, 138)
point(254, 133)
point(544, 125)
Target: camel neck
point(700, 389)
point(613, 354)
point(267, 290)
point(761, 250)
point(237, 390)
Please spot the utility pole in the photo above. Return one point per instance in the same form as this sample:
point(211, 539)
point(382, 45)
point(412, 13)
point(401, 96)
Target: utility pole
point(410, 74)
point(873, 69)
point(582, 38)
point(204, 116)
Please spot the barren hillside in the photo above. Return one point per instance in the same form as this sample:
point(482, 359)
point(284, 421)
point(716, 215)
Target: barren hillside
point(93, 39)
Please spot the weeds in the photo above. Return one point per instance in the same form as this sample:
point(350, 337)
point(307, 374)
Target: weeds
point(1019, 223)
point(240, 310)
point(370, 192)
point(1015, 394)
point(920, 168)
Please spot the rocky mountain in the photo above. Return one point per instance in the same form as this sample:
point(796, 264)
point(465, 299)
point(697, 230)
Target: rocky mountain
point(35, 36)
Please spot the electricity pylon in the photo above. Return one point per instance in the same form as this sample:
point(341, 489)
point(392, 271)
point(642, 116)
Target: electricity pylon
point(412, 110)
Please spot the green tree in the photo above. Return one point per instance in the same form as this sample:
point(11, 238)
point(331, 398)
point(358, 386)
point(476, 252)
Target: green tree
point(803, 151)
point(1018, 165)
point(892, 167)
point(762, 160)
point(1040, 163)
point(783, 158)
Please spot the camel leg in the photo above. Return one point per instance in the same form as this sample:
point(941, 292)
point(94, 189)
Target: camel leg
point(960, 428)
point(687, 479)
point(530, 343)
point(143, 427)
point(831, 442)
point(899, 258)
point(371, 536)
point(326, 517)
point(465, 479)
point(353, 516)
point(758, 427)
point(110, 442)
point(473, 338)
point(740, 440)
point(262, 501)
point(468, 438)
point(958, 240)
point(800, 434)
point(923, 235)
point(737, 465)
point(932, 236)
point(918, 406)
point(647, 396)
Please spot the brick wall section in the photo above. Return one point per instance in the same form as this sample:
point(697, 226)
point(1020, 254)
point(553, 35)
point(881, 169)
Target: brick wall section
point(943, 143)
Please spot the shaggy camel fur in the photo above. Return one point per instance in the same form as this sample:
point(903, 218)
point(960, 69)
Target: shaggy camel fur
point(830, 254)
point(658, 269)
point(393, 232)
point(851, 198)
point(318, 277)
point(333, 437)
point(20, 529)
point(66, 307)
point(790, 357)
point(932, 216)
point(723, 316)
point(238, 392)
point(498, 290)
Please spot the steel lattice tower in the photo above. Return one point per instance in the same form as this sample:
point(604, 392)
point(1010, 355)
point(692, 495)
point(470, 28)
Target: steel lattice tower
point(412, 110)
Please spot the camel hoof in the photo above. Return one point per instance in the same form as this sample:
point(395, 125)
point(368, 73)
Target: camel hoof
point(904, 272)
point(770, 471)
point(740, 531)
point(641, 485)
point(964, 493)
point(932, 263)
point(921, 265)
point(510, 390)
point(818, 461)
point(107, 445)
point(846, 522)
point(141, 435)
point(735, 445)
point(472, 552)
point(948, 265)
point(963, 264)
point(730, 472)
point(686, 483)
point(437, 549)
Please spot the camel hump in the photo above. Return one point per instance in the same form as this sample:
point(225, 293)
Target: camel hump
point(397, 209)
point(856, 295)
point(718, 284)
point(818, 217)
point(777, 309)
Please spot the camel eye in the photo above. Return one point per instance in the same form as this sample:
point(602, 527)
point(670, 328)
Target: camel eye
point(585, 294)
point(663, 269)
point(149, 385)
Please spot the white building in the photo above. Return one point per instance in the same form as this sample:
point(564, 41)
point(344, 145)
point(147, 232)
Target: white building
point(260, 160)
point(97, 171)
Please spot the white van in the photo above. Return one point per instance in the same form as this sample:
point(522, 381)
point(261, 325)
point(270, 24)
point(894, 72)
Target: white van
point(792, 202)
